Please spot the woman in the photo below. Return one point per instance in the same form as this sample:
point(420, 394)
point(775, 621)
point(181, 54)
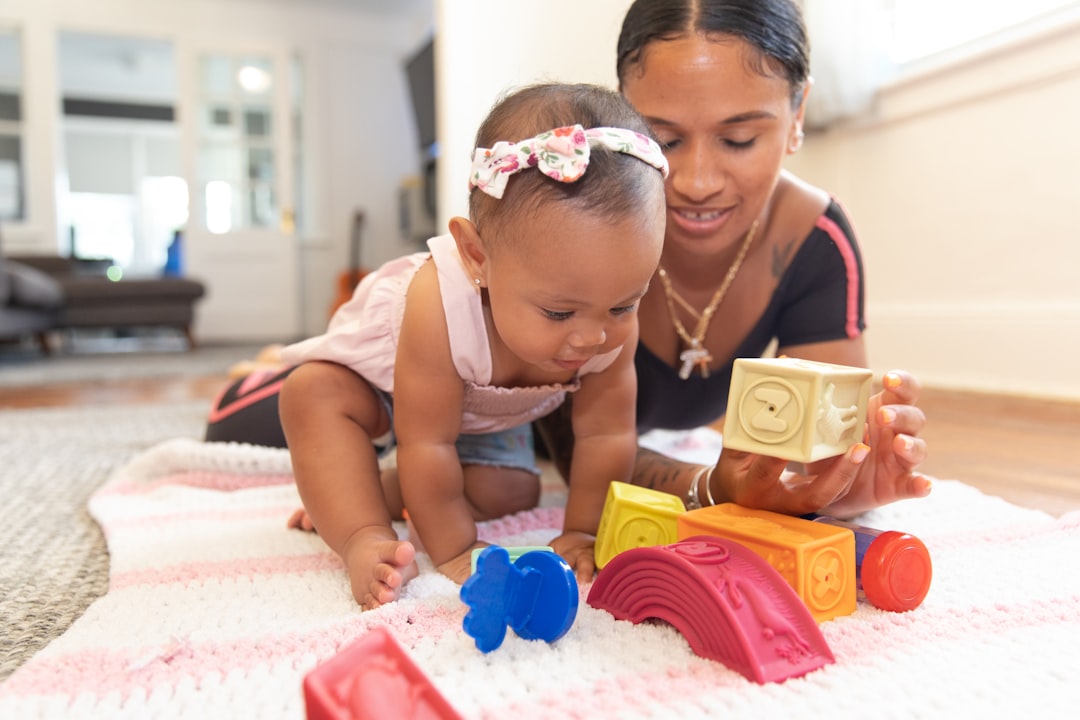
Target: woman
point(752, 255)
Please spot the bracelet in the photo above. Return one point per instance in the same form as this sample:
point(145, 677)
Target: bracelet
point(692, 501)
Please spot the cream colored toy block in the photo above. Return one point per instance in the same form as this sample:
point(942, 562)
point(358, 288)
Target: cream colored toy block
point(796, 409)
point(635, 517)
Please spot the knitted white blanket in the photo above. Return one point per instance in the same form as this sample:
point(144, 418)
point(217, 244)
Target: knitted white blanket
point(216, 610)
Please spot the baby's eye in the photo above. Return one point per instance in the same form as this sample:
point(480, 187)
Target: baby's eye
point(623, 310)
point(557, 315)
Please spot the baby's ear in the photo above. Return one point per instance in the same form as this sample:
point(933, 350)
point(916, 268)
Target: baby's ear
point(471, 248)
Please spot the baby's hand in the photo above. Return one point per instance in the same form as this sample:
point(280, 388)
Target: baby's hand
point(459, 568)
point(579, 550)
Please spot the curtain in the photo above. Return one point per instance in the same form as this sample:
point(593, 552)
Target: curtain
point(849, 57)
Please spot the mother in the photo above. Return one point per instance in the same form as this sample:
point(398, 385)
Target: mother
point(753, 255)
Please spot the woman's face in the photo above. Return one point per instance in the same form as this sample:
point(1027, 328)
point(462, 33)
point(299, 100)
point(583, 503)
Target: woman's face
point(726, 129)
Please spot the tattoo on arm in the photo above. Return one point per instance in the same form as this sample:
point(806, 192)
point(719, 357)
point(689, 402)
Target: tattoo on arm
point(659, 472)
point(781, 257)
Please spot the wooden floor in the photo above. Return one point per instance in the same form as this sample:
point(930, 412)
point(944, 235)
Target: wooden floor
point(1021, 449)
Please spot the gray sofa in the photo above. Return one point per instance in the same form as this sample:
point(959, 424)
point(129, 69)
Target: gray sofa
point(30, 302)
point(92, 300)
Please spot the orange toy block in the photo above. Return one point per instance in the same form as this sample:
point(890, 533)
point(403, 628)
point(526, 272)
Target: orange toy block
point(635, 517)
point(796, 409)
point(816, 560)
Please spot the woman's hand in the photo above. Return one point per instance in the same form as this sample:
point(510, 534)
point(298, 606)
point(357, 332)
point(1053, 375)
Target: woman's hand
point(865, 477)
point(888, 474)
point(579, 550)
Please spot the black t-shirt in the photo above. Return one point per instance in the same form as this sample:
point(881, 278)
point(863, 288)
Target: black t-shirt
point(819, 298)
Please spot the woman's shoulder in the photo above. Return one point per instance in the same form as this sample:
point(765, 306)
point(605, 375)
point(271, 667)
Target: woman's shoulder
point(798, 204)
point(800, 210)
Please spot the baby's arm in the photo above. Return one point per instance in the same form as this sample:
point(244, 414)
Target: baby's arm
point(605, 445)
point(428, 401)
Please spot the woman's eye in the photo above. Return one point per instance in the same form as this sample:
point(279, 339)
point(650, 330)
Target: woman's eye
point(740, 144)
point(666, 145)
point(558, 316)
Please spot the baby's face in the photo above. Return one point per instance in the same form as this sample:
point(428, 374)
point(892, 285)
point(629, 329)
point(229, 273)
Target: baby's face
point(570, 286)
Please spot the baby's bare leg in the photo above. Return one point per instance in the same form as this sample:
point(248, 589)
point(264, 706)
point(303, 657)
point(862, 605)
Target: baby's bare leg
point(494, 491)
point(330, 416)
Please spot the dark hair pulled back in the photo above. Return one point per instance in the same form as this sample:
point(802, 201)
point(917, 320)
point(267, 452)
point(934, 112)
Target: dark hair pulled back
point(775, 28)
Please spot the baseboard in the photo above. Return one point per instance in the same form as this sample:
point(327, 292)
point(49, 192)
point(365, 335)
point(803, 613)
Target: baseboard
point(1015, 349)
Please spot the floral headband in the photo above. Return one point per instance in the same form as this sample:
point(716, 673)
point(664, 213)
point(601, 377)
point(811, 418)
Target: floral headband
point(561, 154)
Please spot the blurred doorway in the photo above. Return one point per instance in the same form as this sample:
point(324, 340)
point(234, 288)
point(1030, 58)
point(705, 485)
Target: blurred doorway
point(241, 239)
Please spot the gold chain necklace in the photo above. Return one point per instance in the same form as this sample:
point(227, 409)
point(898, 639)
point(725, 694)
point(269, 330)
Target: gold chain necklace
point(695, 353)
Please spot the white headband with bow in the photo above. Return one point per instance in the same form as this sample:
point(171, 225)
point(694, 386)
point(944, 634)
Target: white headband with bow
point(561, 154)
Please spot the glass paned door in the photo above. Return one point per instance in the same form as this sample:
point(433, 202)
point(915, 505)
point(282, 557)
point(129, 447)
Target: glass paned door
point(237, 163)
point(241, 241)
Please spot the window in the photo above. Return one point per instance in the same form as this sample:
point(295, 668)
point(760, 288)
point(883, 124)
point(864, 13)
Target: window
point(237, 166)
point(12, 205)
point(922, 28)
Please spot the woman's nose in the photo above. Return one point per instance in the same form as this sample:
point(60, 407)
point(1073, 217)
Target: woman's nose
point(696, 173)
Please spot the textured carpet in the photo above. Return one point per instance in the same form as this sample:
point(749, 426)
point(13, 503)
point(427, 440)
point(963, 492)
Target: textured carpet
point(97, 359)
point(55, 561)
point(215, 610)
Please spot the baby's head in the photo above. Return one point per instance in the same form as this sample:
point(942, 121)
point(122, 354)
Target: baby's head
point(625, 166)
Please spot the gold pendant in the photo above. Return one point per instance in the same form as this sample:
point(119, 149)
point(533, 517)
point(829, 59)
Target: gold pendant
point(691, 356)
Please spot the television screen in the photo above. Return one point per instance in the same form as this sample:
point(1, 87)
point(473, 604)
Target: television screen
point(421, 72)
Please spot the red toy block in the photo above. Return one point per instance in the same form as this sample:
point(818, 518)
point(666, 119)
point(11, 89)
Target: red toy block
point(725, 599)
point(373, 679)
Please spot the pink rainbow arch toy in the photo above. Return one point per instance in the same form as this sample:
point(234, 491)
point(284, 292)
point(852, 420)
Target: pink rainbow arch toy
point(725, 599)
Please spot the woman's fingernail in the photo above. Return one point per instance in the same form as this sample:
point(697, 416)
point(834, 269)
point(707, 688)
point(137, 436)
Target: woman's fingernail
point(886, 415)
point(907, 442)
point(892, 380)
point(859, 453)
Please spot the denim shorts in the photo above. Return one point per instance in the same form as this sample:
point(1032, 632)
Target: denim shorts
point(511, 448)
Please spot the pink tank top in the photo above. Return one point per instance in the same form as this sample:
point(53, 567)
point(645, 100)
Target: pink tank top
point(363, 336)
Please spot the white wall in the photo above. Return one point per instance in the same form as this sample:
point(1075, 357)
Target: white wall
point(497, 46)
point(963, 189)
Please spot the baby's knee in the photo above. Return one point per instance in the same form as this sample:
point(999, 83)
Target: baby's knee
point(494, 491)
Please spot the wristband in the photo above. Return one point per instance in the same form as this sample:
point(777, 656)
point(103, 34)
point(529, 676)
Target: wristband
point(692, 501)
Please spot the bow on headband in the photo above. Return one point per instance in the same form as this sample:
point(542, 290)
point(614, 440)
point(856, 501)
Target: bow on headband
point(561, 154)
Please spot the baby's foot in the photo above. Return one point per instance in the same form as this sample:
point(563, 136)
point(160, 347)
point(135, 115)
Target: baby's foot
point(300, 520)
point(379, 565)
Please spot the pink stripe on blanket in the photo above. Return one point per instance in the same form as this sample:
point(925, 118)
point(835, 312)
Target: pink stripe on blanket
point(196, 573)
point(98, 672)
point(550, 518)
point(198, 479)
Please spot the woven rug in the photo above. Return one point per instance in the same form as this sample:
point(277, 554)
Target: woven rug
point(96, 359)
point(215, 610)
point(55, 561)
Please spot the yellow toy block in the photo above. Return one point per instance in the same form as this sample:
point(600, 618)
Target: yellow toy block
point(817, 560)
point(635, 517)
point(796, 409)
